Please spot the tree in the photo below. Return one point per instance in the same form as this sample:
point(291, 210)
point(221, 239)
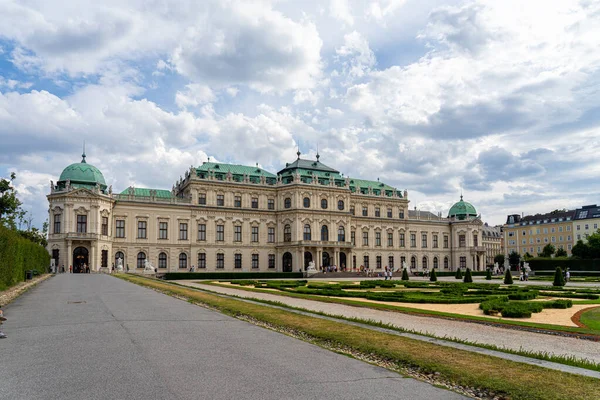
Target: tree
point(527, 256)
point(10, 205)
point(468, 277)
point(458, 274)
point(499, 258)
point(404, 274)
point(488, 275)
point(581, 250)
point(514, 258)
point(548, 250)
point(433, 276)
point(594, 244)
point(508, 278)
point(559, 279)
point(561, 253)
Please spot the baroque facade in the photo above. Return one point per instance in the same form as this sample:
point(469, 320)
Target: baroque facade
point(225, 217)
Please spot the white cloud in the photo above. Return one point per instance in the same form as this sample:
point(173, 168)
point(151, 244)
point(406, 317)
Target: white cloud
point(194, 95)
point(340, 10)
point(358, 56)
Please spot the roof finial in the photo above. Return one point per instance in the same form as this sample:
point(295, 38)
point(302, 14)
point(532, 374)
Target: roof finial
point(298, 152)
point(318, 156)
point(461, 195)
point(83, 155)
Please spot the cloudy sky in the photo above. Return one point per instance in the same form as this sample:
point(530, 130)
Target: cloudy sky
point(499, 99)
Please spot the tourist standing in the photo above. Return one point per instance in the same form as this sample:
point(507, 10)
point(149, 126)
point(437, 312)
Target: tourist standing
point(567, 275)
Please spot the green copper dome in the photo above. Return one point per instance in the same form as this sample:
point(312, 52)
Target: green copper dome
point(462, 210)
point(82, 174)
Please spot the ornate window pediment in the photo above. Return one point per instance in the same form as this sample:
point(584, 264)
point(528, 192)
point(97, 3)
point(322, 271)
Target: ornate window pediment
point(81, 210)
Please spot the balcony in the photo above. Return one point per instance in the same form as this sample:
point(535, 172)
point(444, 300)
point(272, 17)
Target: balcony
point(477, 249)
point(82, 236)
point(317, 243)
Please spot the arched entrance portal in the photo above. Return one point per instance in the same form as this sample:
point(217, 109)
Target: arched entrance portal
point(326, 262)
point(307, 259)
point(80, 257)
point(287, 262)
point(343, 264)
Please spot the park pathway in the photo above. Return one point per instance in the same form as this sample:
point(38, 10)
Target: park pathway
point(478, 333)
point(93, 336)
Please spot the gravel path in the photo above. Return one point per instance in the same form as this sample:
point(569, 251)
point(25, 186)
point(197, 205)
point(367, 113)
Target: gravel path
point(502, 337)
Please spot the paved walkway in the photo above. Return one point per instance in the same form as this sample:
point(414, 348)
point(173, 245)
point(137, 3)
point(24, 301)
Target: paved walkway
point(97, 337)
point(442, 328)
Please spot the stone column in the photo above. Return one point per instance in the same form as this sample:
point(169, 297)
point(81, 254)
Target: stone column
point(92, 261)
point(318, 259)
point(336, 253)
point(69, 255)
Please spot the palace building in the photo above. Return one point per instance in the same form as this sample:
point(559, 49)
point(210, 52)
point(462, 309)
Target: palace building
point(225, 217)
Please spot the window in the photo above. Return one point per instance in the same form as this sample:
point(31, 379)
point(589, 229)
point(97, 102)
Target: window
point(220, 260)
point(202, 199)
point(202, 260)
point(389, 213)
point(341, 205)
point(463, 262)
point(377, 212)
point(220, 200)
point(324, 204)
point(255, 202)
point(238, 260)
point(401, 215)
point(81, 223)
point(307, 233)
point(237, 201)
point(220, 233)
point(255, 234)
point(378, 239)
point(365, 238)
point(162, 230)
point(435, 241)
point(424, 240)
point(391, 262)
point(103, 258)
point(162, 260)
point(202, 232)
point(568, 238)
point(306, 202)
point(435, 262)
point(352, 211)
point(511, 234)
point(587, 227)
point(105, 226)
point(475, 242)
point(553, 239)
point(287, 203)
point(182, 260)
point(271, 235)
point(424, 261)
point(141, 258)
point(445, 262)
point(119, 254)
point(569, 246)
point(254, 261)
point(578, 236)
point(545, 230)
point(271, 261)
point(142, 229)
point(271, 204)
point(237, 233)
point(560, 228)
point(120, 228)
point(57, 218)
point(378, 262)
point(552, 230)
point(462, 241)
point(353, 238)
point(402, 243)
point(366, 261)
point(413, 262)
point(413, 240)
point(390, 239)
point(365, 211)
point(183, 231)
point(341, 234)
point(568, 228)
point(287, 233)
point(324, 233)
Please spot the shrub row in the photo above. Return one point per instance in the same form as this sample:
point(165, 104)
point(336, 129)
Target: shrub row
point(575, 264)
point(18, 255)
point(520, 310)
point(587, 296)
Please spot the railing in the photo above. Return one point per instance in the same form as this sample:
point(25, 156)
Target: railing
point(477, 249)
point(82, 235)
point(318, 243)
point(152, 199)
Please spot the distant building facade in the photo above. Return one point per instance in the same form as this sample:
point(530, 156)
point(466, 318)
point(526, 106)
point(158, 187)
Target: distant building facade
point(491, 237)
point(585, 222)
point(225, 217)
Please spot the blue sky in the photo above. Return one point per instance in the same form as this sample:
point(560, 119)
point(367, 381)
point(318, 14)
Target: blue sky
point(497, 99)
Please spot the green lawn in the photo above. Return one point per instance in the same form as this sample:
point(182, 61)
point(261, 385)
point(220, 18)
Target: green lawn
point(591, 318)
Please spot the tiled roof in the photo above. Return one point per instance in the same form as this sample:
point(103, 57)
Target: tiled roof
point(548, 217)
point(307, 164)
point(234, 169)
point(161, 193)
point(587, 212)
point(422, 214)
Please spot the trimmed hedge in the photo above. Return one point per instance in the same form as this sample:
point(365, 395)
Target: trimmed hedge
point(575, 264)
point(175, 276)
point(18, 255)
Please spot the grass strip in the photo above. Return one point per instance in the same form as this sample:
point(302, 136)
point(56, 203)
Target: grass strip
point(510, 379)
point(542, 327)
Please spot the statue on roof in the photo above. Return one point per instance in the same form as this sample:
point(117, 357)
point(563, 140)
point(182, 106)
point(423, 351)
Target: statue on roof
point(131, 190)
point(297, 177)
point(68, 185)
point(51, 186)
point(405, 194)
point(315, 179)
point(110, 189)
point(347, 182)
point(229, 175)
point(263, 179)
point(97, 187)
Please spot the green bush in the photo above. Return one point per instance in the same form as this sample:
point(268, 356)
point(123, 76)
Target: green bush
point(516, 310)
point(404, 274)
point(18, 255)
point(587, 296)
point(468, 276)
point(488, 275)
point(508, 280)
point(523, 295)
point(458, 274)
point(575, 264)
point(559, 279)
point(493, 306)
point(433, 276)
point(558, 304)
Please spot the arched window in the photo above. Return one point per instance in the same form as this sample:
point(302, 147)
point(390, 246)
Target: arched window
point(324, 204)
point(182, 260)
point(287, 203)
point(287, 233)
point(435, 262)
point(141, 257)
point(119, 254)
point(162, 260)
point(307, 235)
point(341, 234)
point(341, 205)
point(324, 233)
point(413, 262)
point(424, 262)
point(446, 262)
point(306, 202)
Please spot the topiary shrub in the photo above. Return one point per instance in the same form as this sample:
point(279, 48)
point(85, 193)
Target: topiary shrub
point(468, 277)
point(558, 304)
point(559, 279)
point(458, 274)
point(404, 274)
point(433, 276)
point(488, 275)
point(508, 278)
point(523, 295)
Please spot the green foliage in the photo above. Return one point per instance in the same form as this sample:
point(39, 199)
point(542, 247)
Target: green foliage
point(433, 276)
point(525, 294)
point(561, 253)
point(508, 280)
point(488, 275)
point(514, 258)
point(573, 263)
point(468, 276)
point(527, 256)
point(18, 255)
point(559, 279)
point(548, 250)
point(174, 276)
point(589, 249)
point(10, 205)
point(499, 258)
point(558, 304)
point(458, 274)
point(404, 274)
